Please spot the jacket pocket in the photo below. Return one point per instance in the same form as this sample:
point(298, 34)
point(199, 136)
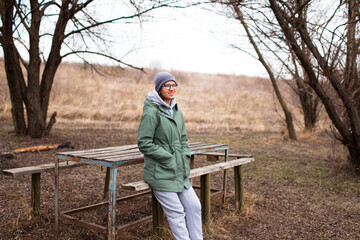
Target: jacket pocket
point(166, 170)
point(168, 147)
point(186, 166)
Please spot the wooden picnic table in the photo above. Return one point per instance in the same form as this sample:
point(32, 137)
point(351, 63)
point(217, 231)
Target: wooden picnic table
point(112, 158)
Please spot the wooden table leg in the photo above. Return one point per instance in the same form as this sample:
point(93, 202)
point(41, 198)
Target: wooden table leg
point(57, 198)
point(205, 194)
point(112, 202)
point(106, 185)
point(192, 161)
point(192, 164)
point(35, 193)
point(239, 188)
point(225, 176)
point(158, 218)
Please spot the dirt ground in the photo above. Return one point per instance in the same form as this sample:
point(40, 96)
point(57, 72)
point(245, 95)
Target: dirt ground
point(294, 190)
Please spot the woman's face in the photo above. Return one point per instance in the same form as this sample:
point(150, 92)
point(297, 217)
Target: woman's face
point(168, 91)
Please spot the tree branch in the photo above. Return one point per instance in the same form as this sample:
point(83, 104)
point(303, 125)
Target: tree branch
point(118, 19)
point(103, 55)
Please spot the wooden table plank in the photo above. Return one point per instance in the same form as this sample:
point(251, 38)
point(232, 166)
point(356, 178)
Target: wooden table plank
point(208, 147)
point(126, 153)
point(239, 155)
point(15, 172)
point(112, 153)
point(117, 148)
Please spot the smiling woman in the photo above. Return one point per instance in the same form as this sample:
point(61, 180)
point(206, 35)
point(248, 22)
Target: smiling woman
point(162, 138)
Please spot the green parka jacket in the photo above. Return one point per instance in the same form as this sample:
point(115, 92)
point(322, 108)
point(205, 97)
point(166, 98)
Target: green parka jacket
point(163, 141)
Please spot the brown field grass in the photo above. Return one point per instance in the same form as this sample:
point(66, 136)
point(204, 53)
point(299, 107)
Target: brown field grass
point(81, 96)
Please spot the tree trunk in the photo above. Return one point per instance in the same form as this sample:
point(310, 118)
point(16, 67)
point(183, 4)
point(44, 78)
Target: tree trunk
point(351, 80)
point(14, 74)
point(17, 109)
point(287, 113)
point(309, 105)
point(36, 121)
point(309, 122)
point(34, 96)
point(354, 157)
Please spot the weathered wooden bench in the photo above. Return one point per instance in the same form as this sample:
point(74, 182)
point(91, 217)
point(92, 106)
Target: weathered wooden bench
point(205, 189)
point(35, 172)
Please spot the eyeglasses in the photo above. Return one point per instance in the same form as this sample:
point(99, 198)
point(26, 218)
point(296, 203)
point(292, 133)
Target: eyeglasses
point(169, 86)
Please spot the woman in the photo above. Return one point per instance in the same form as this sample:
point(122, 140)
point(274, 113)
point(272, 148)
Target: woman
point(162, 139)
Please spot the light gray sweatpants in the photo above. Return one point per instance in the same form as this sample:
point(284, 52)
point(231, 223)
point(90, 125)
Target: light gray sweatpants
point(183, 211)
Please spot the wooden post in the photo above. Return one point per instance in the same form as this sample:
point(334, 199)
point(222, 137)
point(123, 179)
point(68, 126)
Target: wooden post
point(57, 198)
point(106, 185)
point(205, 194)
point(239, 188)
point(35, 193)
point(192, 164)
point(158, 218)
point(225, 175)
point(112, 204)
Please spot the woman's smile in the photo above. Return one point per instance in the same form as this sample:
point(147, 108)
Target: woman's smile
point(168, 91)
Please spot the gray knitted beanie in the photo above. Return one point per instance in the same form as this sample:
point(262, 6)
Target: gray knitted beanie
point(161, 78)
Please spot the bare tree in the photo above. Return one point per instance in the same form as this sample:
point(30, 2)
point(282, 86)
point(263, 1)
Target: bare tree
point(288, 116)
point(323, 41)
point(72, 30)
point(334, 48)
point(268, 41)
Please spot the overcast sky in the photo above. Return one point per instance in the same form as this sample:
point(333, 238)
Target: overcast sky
point(194, 40)
point(190, 39)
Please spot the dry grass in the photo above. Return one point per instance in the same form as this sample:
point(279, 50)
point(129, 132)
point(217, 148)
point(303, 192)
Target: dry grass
point(81, 96)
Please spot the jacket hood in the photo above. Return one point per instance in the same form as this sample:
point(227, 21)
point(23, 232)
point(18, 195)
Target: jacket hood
point(155, 97)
